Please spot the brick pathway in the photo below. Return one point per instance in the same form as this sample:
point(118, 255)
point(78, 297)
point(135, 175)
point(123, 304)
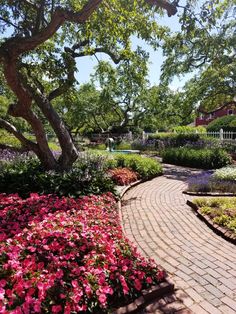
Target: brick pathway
point(201, 264)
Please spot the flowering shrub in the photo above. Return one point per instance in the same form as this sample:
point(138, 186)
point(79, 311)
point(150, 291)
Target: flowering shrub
point(26, 175)
point(63, 255)
point(123, 176)
point(221, 180)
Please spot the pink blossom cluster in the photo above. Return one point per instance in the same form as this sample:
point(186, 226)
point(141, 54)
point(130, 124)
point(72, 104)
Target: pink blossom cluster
point(63, 255)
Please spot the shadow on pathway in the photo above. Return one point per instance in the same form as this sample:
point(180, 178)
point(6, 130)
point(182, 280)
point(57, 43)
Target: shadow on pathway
point(201, 264)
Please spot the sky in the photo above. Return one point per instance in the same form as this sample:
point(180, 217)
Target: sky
point(85, 65)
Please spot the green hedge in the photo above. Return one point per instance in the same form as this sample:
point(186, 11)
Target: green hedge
point(197, 158)
point(144, 166)
point(227, 123)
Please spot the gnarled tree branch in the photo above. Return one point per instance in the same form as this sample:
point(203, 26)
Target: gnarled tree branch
point(12, 129)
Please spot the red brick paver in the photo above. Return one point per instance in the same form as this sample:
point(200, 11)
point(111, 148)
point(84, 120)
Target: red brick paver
point(201, 264)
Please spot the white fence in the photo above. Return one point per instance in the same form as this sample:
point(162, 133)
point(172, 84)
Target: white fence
point(222, 135)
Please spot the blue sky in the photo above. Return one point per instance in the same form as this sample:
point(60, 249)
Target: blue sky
point(86, 64)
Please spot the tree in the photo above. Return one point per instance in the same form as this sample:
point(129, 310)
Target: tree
point(205, 46)
point(166, 108)
point(46, 38)
point(124, 88)
point(86, 110)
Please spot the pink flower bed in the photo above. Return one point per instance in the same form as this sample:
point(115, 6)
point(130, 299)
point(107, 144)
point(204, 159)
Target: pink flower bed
point(61, 255)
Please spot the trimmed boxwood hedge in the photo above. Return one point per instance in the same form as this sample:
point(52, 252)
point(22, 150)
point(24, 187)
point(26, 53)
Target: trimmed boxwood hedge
point(197, 158)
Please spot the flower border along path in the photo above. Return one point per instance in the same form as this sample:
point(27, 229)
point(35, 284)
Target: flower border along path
point(201, 264)
point(224, 232)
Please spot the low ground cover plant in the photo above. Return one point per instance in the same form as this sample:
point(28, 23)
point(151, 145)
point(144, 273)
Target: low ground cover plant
point(221, 211)
point(197, 158)
point(221, 180)
point(64, 255)
point(123, 176)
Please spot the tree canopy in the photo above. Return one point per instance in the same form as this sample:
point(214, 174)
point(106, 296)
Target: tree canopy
point(38, 57)
point(206, 47)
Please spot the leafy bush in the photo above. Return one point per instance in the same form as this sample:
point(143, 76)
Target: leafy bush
point(195, 140)
point(189, 129)
point(144, 166)
point(226, 173)
point(226, 123)
point(221, 211)
point(197, 158)
point(123, 145)
point(123, 176)
point(26, 175)
point(143, 145)
point(63, 255)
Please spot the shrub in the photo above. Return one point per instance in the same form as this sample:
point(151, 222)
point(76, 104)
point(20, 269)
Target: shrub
point(197, 158)
point(145, 167)
point(196, 140)
point(123, 146)
point(63, 255)
point(208, 183)
point(189, 129)
point(226, 174)
point(123, 176)
point(143, 145)
point(221, 211)
point(225, 123)
point(86, 177)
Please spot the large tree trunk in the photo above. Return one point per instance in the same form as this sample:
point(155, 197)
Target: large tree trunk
point(10, 55)
point(23, 109)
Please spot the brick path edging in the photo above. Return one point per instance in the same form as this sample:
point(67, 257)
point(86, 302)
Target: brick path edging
point(223, 232)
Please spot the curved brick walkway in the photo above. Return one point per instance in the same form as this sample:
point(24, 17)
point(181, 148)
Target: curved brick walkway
point(201, 264)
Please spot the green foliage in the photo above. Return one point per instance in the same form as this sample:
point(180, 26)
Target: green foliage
point(196, 158)
point(221, 211)
point(144, 166)
point(8, 139)
point(204, 46)
point(189, 129)
point(226, 173)
point(26, 176)
point(226, 123)
point(123, 146)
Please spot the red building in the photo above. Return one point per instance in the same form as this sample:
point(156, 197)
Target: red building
point(204, 118)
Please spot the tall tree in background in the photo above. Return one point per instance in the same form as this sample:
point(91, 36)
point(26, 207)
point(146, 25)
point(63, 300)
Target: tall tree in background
point(205, 46)
point(46, 38)
point(124, 88)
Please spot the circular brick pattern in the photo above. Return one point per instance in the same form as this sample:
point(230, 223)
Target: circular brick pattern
point(201, 264)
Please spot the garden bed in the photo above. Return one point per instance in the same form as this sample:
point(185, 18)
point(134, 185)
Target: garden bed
point(62, 254)
point(221, 230)
point(216, 194)
point(221, 182)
